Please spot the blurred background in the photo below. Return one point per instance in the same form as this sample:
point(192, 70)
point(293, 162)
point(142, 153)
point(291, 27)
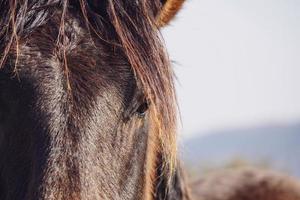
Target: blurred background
point(238, 69)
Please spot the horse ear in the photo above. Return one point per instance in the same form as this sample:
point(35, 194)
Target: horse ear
point(171, 189)
point(168, 11)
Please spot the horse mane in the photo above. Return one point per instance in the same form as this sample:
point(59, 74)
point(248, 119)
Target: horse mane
point(151, 65)
point(137, 35)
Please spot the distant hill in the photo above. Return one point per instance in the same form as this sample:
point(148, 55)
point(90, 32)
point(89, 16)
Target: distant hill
point(277, 145)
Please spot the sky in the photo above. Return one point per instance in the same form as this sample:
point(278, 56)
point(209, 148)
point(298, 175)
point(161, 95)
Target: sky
point(237, 63)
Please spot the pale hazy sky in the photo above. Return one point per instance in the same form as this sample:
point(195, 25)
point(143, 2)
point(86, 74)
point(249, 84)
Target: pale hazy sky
point(237, 62)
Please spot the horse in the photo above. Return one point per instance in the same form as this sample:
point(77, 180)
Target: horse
point(87, 101)
point(246, 183)
point(88, 107)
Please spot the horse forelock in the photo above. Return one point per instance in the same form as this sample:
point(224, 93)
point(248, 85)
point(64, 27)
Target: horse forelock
point(137, 33)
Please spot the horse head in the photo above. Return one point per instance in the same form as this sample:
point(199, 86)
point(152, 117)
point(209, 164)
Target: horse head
point(87, 101)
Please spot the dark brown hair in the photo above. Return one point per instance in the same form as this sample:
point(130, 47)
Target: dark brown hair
point(134, 30)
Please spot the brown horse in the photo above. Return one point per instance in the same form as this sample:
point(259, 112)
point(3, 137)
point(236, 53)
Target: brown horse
point(246, 184)
point(88, 108)
point(87, 101)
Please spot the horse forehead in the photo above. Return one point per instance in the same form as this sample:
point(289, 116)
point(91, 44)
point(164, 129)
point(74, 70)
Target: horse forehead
point(50, 49)
point(54, 38)
point(93, 69)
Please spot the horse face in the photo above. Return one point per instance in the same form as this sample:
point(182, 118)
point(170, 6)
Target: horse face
point(75, 133)
point(73, 117)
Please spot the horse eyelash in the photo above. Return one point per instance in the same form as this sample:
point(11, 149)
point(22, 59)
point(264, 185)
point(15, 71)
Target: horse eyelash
point(142, 109)
point(139, 109)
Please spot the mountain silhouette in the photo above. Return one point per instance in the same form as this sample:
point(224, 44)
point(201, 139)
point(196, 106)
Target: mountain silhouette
point(278, 145)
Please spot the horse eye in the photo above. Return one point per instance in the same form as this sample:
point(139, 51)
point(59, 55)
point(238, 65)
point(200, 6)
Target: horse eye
point(142, 109)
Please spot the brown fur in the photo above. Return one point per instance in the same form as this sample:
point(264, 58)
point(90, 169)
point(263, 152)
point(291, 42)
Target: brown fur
point(169, 11)
point(246, 184)
point(74, 76)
